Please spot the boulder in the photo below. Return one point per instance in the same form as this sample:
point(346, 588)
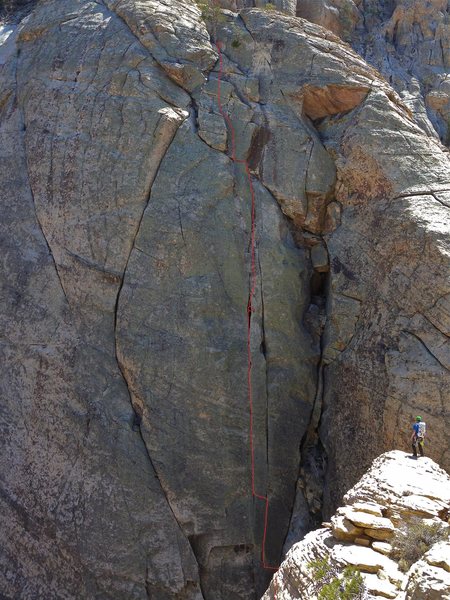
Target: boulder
point(343, 529)
point(368, 561)
point(366, 520)
point(382, 547)
point(426, 582)
point(368, 507)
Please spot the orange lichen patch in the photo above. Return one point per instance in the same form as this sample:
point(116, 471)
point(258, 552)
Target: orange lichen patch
point(329, 100)
point(361, 178)
point(29, 35)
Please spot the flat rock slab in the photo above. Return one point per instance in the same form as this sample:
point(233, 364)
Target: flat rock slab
point(367, 560)
point(403, 485)
point(366, 520)
point(366, 507)
point(428, 582)
point(379, 587)
point(343, 529)
point(382, 547)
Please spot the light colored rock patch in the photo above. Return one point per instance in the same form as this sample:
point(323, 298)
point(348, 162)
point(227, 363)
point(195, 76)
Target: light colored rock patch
point(379, 587)
point(426, 582)
point(368, 561)
point(439, 556)
point(366, 520)
point(382, 547)
point(377, 491)
point(343, 529)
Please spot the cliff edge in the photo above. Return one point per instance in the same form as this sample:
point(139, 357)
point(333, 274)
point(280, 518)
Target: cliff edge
point(393, 528)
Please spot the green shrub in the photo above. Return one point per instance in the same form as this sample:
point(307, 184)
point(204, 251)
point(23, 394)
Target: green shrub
point(414, 539)
point(321, 569)
point(210, 11)
point(330, 584)
point(269, 6)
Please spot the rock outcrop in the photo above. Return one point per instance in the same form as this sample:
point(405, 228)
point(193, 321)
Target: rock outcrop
point(127, 148)
point(395, 496)
point(407, 40)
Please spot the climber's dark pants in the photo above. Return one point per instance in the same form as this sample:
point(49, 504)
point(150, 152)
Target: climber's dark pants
point(418, 442)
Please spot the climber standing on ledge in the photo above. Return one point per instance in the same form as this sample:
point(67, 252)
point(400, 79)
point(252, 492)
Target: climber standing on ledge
point(419, 430)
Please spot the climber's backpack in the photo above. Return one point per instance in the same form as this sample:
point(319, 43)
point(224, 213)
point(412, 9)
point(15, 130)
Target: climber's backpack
point(421, 430)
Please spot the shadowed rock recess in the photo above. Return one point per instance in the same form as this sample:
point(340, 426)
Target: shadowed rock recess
point(126, 223)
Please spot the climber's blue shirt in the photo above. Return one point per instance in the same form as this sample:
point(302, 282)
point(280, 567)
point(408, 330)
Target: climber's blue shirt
point(416, 428)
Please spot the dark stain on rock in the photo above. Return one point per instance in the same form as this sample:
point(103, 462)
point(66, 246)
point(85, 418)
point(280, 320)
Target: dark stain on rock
point(259, 141)
point(338, 267)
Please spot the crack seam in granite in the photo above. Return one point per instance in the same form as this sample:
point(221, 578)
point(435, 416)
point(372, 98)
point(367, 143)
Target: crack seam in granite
point(120, 367)
point(264, 353)
point(419, 339)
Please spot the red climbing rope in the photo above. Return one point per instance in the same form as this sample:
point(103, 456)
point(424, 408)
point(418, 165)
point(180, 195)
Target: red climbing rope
point(250, 309)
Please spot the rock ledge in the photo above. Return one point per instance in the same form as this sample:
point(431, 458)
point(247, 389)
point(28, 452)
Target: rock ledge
point(397, 494)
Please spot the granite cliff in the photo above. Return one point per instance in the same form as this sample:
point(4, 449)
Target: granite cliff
point(135, 137)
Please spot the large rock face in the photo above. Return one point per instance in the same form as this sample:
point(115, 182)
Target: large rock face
point(134, 143)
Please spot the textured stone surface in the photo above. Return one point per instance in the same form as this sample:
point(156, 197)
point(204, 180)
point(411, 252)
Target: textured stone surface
point(379, 587)
point(427, 582)
point(125, 276)
point(439, 556)
point(366, 520)
point(382, 547)
point(367, 561)
point(343, 529)
point(200, 263)
point(407, 40)
point(392, 482)
point(77, 479)
point(89, 171)
point(385, 484)
point(366, 507)
point(383, 287)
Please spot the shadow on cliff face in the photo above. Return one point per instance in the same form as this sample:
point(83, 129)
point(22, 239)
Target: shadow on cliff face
point(15, 10)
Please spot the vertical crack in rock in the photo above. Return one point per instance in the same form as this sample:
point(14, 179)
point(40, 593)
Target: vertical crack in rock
point(263, 349)
point(138, 428)
point(43, 232)
point(426, 348)
point(307, 509)
point(171, 119)
point(194, 115)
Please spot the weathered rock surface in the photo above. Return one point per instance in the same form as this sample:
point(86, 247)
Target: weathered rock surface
point(429, 578)
point(392, 477)
point(126, 225)
point(407, 40)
